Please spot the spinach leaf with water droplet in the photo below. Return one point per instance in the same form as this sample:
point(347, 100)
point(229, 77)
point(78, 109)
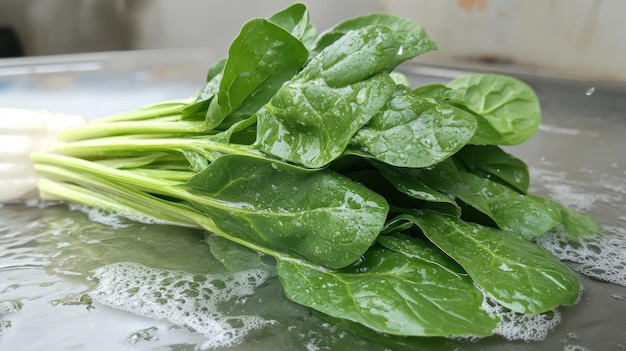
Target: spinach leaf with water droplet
point(312, 117)
point(411, 131)
point(410, 34)
point(490, 161)
point(509, 106)
point(515, 272)
point(392, 292)
point(295, 20)
point(510, 210)
point(260, 59)
point(317, 215)
point(405, 181)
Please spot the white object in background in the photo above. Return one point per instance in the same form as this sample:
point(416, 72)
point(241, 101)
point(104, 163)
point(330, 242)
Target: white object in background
point(23, 132)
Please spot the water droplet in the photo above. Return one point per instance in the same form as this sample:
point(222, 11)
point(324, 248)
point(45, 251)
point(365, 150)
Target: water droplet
point(590, 91)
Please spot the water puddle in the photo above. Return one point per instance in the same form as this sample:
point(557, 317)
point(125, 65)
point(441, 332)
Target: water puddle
point(81, 279)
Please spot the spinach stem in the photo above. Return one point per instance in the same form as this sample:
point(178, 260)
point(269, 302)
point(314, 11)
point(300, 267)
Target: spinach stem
point(126, 145)
point(165, 108)
point(137, 197)
point(92, 131)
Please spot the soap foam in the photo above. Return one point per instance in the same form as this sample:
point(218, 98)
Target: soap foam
point(517, 326)
point(577, 195)
point(7, 307)
point(181, 298)
point(602, 257)
point(574, 348)
point(98, 216)
point(113, 220)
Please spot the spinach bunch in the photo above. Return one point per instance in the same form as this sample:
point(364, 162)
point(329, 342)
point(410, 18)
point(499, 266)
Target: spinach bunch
point(389, 207)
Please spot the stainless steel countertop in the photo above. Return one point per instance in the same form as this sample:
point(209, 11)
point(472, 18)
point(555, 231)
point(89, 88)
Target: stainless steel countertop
point(578, 157)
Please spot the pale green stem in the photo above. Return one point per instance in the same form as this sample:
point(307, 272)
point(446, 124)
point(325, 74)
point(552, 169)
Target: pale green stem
point(125, 146)
point(118, 199)
point(130, 198)
point(92, 131)
point(166, 108)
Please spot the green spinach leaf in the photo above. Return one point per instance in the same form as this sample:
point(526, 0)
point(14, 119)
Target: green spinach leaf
point(492, 162)
point(317, 215)
point(235, 257)
point(202, 100)
point(575, 224)
point(408, 33)
point(408, 182)
point(515, 272)
point(510, 210)
point(312, 117)
point(295, 20)
point(508, 105)
point(260, 59)
point(393, 293)
point(436, 131)
point(485, 133)
point(420, 249)
point(434, 91)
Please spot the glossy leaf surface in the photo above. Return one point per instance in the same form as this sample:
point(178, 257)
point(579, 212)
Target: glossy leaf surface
point(576, 225)
point(312, 117)
point(507, 104)
point(491, 161)
point(320, 216)
point(260, 59)
point(294, 19)
point(517, 273)
point(415, 132)
point(393, 293)
point(510, 210)
point(411, 184)
point(409, 34)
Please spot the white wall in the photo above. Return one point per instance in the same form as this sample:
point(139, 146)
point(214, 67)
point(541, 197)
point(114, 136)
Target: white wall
point(586, 37)
point(167, 23)
point(581, 37)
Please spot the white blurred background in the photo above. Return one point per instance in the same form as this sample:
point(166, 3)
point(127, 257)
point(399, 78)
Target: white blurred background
point(583, 38)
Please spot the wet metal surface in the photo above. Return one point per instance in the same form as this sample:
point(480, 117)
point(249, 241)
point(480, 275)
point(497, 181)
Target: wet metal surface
point(48, 254)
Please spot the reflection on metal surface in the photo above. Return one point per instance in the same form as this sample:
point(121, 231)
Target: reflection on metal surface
point(49, 253)
point(50, 68)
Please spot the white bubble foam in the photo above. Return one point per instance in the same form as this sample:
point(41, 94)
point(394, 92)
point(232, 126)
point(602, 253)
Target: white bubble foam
point(7, 307)
point(4, 326)
point(517, 326)
point(181, 298)
point(602, 257)
point(579, 196)
point(96, 215)
point(113, 220)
